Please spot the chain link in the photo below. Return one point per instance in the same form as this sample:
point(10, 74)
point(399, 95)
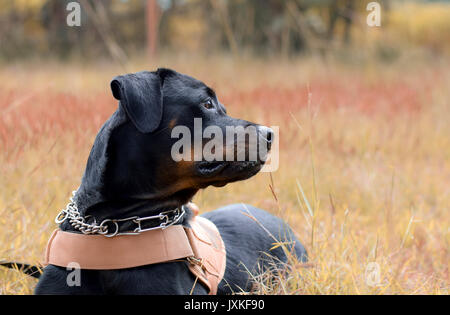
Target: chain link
point(80, 223)
point(77, 221)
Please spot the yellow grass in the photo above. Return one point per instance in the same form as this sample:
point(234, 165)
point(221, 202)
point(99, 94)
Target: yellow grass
point(359, 184)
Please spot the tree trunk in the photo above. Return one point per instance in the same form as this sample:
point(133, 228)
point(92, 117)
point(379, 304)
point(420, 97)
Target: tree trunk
point(153, 14)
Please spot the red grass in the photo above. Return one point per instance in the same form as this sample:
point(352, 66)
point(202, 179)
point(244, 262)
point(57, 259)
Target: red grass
point(331, 94)
point(24, 119)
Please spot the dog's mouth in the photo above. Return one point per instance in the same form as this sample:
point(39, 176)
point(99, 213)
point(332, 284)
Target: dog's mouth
point(219, 174)
point(209, 169)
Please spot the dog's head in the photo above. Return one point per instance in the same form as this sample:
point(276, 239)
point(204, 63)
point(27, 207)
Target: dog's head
point(169, 138)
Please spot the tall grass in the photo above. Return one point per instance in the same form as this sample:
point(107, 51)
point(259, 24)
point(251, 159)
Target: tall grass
point(364, 165)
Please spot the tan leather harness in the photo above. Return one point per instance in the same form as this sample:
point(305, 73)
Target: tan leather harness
point(201, 245)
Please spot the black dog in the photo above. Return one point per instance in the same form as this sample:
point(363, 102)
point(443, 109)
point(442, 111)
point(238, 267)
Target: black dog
point(130, 172)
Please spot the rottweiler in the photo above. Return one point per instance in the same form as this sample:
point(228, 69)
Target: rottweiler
point(131, 171)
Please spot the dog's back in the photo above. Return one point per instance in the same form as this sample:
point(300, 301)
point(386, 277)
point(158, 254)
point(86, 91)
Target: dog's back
point(250, 236)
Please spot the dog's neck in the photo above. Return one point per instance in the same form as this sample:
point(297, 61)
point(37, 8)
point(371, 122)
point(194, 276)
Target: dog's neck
point(127, 207)
point(103, 195)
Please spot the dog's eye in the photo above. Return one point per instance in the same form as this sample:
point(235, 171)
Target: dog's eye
point(208, 104)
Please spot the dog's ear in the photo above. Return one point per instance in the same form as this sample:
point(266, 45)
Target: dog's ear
point(165, 73)
point(140, 94)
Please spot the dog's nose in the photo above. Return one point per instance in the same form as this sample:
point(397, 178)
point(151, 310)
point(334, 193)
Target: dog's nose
point(267, 135)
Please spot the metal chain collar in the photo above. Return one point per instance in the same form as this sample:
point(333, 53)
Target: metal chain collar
point(80, 223)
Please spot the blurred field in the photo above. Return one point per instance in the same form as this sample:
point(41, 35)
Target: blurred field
point(364, 162)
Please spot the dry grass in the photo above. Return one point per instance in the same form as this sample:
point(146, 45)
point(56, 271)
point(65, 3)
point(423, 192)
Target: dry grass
point(364, 164)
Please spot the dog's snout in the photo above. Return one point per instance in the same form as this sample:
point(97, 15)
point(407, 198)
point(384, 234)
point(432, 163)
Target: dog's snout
point(267, 134)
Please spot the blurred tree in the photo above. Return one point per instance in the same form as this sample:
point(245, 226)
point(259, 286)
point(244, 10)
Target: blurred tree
point(119, 28)
point(152, 19)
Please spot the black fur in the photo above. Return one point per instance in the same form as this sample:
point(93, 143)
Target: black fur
point(130, 172)
point(33, 271)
